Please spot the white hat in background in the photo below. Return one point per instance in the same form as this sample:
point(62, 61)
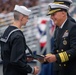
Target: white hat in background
point(53, 7)
point(22, 9)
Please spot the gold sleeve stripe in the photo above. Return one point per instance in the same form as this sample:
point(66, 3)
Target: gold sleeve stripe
point(63, 57)
point(66, 56)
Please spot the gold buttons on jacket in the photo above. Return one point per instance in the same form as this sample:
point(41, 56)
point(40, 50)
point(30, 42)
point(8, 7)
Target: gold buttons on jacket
point(59, 64)
point(69, 55)
point(57, 50)
point(62, 50)
point(64, 64)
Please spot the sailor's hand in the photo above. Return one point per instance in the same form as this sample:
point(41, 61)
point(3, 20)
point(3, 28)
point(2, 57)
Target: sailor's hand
point(29, 59)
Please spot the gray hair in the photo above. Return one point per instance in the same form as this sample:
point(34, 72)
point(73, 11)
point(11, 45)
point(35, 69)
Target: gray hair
point(17, 15)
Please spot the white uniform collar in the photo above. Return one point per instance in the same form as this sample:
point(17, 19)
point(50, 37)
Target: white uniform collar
point(63, 24)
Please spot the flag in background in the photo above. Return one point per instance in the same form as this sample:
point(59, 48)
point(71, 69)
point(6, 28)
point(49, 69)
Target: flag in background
point(46, 69)
point(41, 30)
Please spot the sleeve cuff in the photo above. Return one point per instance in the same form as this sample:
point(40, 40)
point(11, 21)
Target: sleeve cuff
point(62, 57)
point(32, 70)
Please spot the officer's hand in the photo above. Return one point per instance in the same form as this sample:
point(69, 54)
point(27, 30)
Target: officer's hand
point(36, 70)
point(50, 58)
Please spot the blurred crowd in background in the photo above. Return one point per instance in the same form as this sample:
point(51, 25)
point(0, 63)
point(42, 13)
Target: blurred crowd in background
point(7, 6)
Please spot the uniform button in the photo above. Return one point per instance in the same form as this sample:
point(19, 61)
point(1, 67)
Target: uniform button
point(59, 64)
point(62, 50)
point(64, 38)
point(57, 50)
point(64, 64)
point(69, 55)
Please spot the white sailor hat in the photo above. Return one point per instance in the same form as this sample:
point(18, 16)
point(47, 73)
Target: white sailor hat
point(22, 9)
point(53, 7)
point(64, 2)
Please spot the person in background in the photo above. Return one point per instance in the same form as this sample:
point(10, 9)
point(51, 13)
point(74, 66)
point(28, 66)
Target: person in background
point(64, 53)
point(13, 45)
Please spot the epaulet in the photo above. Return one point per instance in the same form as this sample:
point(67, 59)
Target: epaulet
point(6, 39)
